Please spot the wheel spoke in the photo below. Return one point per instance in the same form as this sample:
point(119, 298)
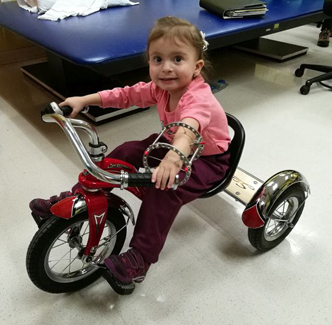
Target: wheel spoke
point(68, 266)
point(274, 227)
point(84, 232)
point(61, 258)
point(64, 243)
point(271, 225)
point(279, 214)
point(110, 237)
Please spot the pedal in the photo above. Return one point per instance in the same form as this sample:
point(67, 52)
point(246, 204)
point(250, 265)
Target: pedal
point(119, 287)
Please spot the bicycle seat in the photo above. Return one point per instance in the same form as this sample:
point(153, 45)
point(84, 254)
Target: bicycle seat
point(235, 150)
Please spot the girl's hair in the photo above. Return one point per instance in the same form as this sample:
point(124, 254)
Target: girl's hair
point(182, 29)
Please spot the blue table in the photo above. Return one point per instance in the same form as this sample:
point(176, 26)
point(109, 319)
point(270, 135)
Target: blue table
point(113, 41)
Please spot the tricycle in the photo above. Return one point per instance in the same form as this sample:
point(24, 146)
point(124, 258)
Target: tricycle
point(68, 250)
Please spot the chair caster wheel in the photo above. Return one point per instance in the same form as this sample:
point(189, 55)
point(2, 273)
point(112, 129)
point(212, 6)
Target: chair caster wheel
point(299, 72)
point(304, 90)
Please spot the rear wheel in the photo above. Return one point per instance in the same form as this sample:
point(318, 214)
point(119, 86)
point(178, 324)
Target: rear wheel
point(284, 215)
point(53, 258)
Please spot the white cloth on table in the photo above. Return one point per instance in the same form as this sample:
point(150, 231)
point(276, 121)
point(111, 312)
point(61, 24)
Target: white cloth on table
point(30, 5)
point(44, 5)
point(60, 9)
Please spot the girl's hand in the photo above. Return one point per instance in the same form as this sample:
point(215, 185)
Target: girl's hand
point(164, 174)
point(76, 103)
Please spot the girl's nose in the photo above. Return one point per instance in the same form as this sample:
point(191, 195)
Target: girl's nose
point(167, 66)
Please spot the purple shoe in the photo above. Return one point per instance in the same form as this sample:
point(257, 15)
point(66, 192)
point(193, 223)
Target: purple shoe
point(41, 207)
point(128, 267)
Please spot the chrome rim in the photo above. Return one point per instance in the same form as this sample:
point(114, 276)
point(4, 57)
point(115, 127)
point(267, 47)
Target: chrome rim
point(281, 218)
point(62, 261)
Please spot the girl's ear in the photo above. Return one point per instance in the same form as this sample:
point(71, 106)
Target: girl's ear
point(199, 67)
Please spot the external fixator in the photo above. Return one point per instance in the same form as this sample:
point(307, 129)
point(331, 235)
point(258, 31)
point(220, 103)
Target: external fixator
point(197, 149)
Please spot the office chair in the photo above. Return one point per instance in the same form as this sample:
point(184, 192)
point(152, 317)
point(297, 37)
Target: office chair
point(305, 89)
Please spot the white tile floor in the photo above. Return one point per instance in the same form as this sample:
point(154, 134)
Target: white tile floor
point(208, 273)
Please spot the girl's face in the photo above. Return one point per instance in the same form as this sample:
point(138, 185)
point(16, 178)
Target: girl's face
point(173, 64)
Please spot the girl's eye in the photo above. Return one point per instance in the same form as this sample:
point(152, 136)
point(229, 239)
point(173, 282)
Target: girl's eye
point(157, 59)
point(178, 59)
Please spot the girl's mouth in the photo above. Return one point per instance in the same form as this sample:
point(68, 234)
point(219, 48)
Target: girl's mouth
point(167, 79)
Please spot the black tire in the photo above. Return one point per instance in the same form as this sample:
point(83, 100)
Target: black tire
point(56, 230)
point(265, 238)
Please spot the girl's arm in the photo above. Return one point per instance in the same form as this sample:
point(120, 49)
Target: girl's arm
point(141, 94)
point(170, 166)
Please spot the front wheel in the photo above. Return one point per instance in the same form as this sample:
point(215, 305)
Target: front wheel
point(53, 258)
point(282, 218)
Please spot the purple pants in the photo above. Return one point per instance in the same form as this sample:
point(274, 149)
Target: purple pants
point(159, 208)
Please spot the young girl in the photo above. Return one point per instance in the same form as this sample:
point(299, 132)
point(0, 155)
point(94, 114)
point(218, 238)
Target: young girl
point(175, 53)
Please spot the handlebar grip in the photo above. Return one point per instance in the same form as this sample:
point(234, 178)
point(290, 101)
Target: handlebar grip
point(54, 108)
point(140, 180)
point(47, 110)
point(66, 110)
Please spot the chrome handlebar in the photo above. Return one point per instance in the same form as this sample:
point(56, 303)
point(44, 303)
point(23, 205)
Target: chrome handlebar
point(68, 125)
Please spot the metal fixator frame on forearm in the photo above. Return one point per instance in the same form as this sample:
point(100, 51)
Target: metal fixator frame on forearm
point(187, 161)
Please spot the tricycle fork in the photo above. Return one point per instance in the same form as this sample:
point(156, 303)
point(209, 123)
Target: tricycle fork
point(96, 204)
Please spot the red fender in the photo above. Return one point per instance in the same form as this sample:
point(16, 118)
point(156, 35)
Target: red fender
point(251, 217)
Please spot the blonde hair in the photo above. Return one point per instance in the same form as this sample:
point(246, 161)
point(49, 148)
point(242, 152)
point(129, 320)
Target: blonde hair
point(173, 27)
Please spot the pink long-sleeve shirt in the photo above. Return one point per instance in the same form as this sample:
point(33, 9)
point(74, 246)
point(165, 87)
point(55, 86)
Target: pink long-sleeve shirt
point(197, 102)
